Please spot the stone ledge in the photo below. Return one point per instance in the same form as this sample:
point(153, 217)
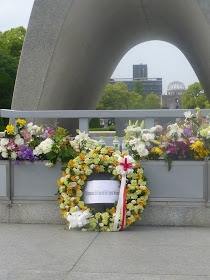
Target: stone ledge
point(157, 215)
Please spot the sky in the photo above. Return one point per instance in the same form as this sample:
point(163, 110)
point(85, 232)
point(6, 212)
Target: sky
point(163, 59)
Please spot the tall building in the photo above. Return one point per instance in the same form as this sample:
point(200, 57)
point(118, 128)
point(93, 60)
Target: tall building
point(140, 73)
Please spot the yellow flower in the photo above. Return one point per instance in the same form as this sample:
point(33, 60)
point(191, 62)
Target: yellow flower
point(21, 122)
point(10, 129)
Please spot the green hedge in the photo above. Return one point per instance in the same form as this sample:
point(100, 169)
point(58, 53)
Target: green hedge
point(108, 128)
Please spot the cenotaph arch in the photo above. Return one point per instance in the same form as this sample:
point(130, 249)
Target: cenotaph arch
point(73, 46)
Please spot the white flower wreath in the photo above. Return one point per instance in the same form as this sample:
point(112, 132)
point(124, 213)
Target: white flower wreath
point(72, 185)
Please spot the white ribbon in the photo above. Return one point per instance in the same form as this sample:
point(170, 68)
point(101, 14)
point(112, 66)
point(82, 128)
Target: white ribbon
point(126, 166)
point(78, 218)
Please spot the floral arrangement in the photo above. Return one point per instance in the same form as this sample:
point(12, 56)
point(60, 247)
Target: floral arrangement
point(189, 140)
point(31, 142)
point(73, 181)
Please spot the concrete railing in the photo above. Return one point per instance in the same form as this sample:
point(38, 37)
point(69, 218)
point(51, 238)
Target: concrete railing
point(84, 115)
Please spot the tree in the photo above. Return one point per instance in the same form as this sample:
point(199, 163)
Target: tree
point(194, 96)
point(138, 87)
point(11, 43)
point(6, 88)
point(117, 97)
point(152, 101)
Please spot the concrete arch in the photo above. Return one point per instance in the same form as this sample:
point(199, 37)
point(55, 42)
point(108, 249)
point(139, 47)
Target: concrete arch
point(73, 46)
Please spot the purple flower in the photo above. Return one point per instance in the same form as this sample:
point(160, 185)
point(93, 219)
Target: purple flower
point(187, 131)
point(26, 153)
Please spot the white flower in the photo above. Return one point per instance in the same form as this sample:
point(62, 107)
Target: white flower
point(133, 201)
point(81, 137)
point(188, 115)
point(3, 149)
point(44, 147)
point(13, 155)
point(49, 164)
point(4, 141)
point(148, 136)
point(19, 141)
point(4, 155)
point(101, 224)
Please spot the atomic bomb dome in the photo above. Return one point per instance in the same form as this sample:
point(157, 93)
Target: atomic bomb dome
point(176, 88)
point(175, 92)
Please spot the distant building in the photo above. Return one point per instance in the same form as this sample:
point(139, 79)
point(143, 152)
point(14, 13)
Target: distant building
point(140, 73)
point(175, 93)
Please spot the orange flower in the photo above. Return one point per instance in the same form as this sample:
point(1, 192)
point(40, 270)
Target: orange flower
point(83, 177)
point(95, 151)
point(116, 163)
point(69, 191)
point(112, 210)
point(60, 199)
point(64, 212)
point(127, 191)
point(128, 222)
point(97, 168)
point(137, 165)
point(85, 208)
point(120, 177)
point(147, 191)
point(142, 203)
point(73, 178)
point(140, 176)
point(110, 151)
point(59, 182)
point(78, 187)
point(124, 154)
point(77, 199)
point(103, 157)
point(82, 157)
point(83, 166)
point(71, 163)
point(137, 187)
point(71, 204)
point(136, 216)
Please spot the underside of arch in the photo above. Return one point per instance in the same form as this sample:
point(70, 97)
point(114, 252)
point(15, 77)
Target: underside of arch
point(73, 46)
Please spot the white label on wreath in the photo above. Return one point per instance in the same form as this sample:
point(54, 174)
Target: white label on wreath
point(101, 191)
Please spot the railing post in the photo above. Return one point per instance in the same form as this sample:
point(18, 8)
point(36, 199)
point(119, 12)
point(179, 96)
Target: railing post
point(149, 122)
point(84, 125)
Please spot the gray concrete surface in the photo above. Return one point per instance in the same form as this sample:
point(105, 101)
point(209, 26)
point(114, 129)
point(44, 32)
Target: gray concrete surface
point(35, 252)
point(73, 46)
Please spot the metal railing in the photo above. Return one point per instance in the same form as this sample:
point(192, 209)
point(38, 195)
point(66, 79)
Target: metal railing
point(84, 115)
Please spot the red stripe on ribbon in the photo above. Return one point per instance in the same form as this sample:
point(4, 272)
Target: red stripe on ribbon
point(123, 210)
point(126, 165)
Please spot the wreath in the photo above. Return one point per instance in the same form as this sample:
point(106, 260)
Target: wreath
point(72, 185)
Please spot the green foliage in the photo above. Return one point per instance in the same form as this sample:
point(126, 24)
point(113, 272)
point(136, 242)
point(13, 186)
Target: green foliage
point(117, 97)
point(152, 101)
point(11, 43)
point(2, 127)
point(6, 89)
point(94, 123)
point(194, 96)
point(108, 128)
point(138, 87)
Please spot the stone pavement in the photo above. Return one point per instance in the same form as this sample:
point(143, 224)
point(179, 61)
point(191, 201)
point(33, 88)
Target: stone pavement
point(42, 252)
